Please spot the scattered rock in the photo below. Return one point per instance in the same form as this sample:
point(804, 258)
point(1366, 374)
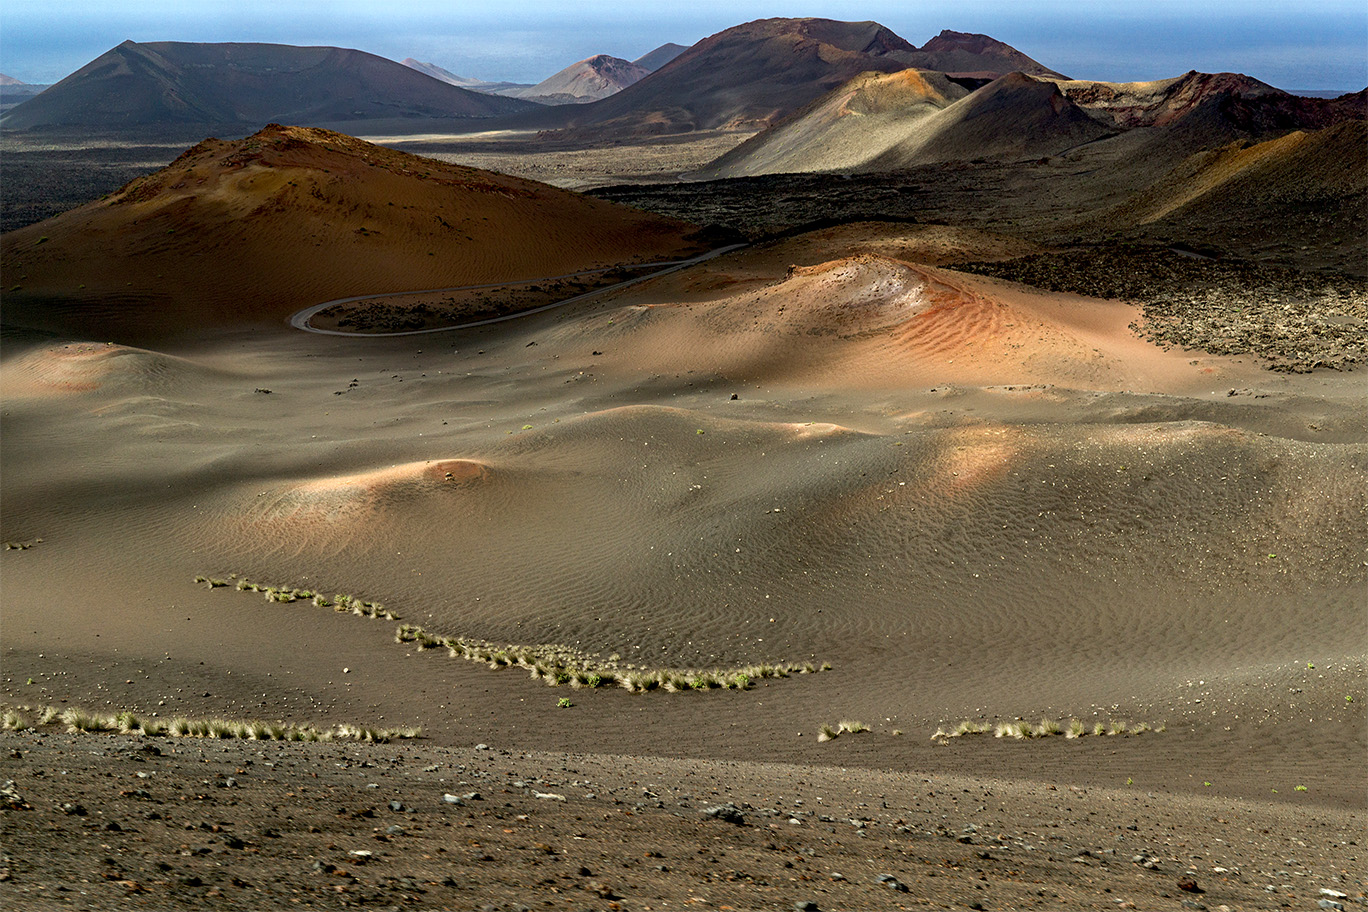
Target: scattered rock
point(1189, 885)
point(888, 880)
point(728, 812)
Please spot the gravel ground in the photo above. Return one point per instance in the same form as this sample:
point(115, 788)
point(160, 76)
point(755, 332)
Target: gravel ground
point(1297, 321)
point(121, 822)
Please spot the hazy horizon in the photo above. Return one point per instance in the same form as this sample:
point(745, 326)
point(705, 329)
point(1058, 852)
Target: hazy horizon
point(1316, 47)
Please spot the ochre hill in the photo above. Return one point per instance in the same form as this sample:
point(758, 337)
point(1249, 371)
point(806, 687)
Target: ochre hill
point(251, 230)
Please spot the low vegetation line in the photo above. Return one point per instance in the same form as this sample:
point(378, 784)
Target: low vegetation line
point(27, 718)
point(1019, 730)
point(285, 594)
point(560, 665)
point(550, 662)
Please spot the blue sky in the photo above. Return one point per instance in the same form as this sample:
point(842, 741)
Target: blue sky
point(1291, 45)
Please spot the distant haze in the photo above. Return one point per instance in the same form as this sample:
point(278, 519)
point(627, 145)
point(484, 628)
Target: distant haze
point(1307, 46)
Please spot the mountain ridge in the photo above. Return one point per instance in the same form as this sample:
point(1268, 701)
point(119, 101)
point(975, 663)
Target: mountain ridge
point(173, 82)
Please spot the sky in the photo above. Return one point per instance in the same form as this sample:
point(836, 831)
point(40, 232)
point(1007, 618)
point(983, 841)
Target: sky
point(1307, 45)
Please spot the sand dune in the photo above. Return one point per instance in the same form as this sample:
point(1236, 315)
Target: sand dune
point(974, 500)
point(236, 233)
point(84, 367)
point(873, 322)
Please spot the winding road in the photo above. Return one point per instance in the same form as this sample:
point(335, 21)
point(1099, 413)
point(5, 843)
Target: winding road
point(300, 319)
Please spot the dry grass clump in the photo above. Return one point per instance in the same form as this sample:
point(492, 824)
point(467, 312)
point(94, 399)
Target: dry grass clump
point(553, 663)
point(287, 594)
point(826, 732)
point(559, 665)
point(128, 722)
point(1020, 730)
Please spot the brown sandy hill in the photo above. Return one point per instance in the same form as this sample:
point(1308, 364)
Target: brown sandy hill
point(755, 74)
point(843, 129)
point(1302, 170)
point(1303, 189)
point(582, 82)
point(906, 123)
point(172, 82)
point(251, 230)
point(654, 60)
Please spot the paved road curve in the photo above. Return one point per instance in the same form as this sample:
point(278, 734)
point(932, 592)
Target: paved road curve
point(300, 319)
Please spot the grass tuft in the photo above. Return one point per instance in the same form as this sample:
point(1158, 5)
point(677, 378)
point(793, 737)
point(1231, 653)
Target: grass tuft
point(1045, 728)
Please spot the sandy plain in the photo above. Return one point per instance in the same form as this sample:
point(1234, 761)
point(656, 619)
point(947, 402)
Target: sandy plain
point(973, 499)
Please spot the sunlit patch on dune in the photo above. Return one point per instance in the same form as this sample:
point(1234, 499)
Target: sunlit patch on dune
point(414, 476)
point(810, 429)
point(1169, 434)
point(345, 498)
point(83, 367)
point(975, 457)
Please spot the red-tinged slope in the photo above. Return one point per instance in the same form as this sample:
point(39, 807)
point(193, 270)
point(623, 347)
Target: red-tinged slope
point(249, 231)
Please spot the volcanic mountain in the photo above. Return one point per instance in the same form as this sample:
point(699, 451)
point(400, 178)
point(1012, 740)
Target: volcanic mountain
point(176, 83)
point(1202, 110)
point(756, 74)
point(249, 231)
point(843, 129)
point(15, 91)
point(968, 54)
point(588, 80)
point(1307, 187)
point(654, 60)
point(465, 82)
point(882, 123)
